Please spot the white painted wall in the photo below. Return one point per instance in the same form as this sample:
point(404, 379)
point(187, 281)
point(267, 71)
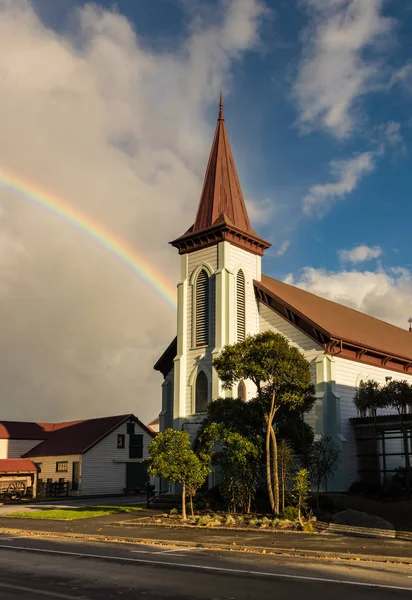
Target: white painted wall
point(348, 374)
point(48, 466)
point(16, 448)
point(104, 465)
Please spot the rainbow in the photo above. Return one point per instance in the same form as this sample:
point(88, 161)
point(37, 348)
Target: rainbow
point(98, 232)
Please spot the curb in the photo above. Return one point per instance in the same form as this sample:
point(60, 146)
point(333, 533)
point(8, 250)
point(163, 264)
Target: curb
point(295, 552)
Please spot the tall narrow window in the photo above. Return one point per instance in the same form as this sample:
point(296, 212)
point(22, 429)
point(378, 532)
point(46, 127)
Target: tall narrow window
point(201, 392)
point(240, 306)
point(241, 391)
point(202, 309)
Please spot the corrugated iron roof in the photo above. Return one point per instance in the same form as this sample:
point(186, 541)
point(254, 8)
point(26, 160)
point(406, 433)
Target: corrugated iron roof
point(342, 322)
point(17, 465)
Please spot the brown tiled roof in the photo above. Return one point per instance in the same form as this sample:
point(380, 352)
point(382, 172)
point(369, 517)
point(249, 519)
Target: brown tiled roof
point(17, 465)
point(341, 322)
point(77, 438)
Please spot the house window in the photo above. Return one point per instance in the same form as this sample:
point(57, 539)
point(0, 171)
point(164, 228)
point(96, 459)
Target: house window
point(202, 309)
point(241, 391)
point(201, 392)
point(130, 428)
point(136, 446)
point(240, 306)
point(121, 440)
point(62, 466)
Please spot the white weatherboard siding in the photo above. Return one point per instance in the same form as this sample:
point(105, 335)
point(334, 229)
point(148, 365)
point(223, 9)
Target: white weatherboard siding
point(104, 465)
point(48, 466)
point(16, 448)
point(347, 375)
point(271, 320)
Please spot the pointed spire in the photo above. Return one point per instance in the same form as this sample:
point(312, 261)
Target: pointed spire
point(222, 196)
point(221, 214)
point(221, 114)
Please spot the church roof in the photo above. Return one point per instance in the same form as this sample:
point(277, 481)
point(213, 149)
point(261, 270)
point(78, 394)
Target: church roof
point(342, 331)
point(221, 214)
point(221, 196)
point(329, 322)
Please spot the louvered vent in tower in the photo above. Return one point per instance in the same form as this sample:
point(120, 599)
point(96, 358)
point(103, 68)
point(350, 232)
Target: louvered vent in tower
point(240, 306)
point(202, 309)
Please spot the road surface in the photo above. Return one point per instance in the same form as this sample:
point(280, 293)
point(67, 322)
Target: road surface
point(33, 569)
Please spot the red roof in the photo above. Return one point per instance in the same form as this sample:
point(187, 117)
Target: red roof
point(340, 321)
point(17, 465)
point(79, 436)
point(21, 430)
point(221, 214)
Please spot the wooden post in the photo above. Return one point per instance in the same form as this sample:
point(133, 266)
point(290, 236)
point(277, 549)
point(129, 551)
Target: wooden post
point(34, 486)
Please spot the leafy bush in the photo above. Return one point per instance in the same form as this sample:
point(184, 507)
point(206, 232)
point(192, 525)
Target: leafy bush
point(230, 520)
point(308, 527)
point(290, 512)
point(174, 511)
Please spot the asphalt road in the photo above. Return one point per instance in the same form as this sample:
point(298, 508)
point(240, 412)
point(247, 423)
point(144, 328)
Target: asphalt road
point(37, 569)
point(24, 506)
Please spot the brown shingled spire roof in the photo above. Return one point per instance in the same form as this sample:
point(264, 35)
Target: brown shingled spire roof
point(222, 208)
point(221, 195)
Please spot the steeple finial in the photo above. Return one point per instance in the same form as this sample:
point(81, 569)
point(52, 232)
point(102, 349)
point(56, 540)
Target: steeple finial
point(221, 115)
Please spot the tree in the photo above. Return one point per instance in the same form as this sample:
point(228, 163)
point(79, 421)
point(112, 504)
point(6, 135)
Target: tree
point(369, 396)
point(398, 394)
point(302, 491)
point(286, 461)
point(324, 460)
point(239, 461)
point(282, 378)
point(172, 458)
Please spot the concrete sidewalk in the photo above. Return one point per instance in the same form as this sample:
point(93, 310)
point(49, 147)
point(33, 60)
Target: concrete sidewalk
point(121, 528)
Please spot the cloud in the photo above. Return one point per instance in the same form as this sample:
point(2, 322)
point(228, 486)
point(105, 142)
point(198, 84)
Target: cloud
point(347, 173)
point(384, 294)
point(360, 254)
point(340, 62)
point(283, 248)
point(120, 132)
point(402, 76)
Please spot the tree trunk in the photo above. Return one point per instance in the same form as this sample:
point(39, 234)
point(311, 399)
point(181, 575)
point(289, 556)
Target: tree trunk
point(282, 484)
point(183, 502)
point(191, 505)
point(268, 465)
point(406, 453)
point(275, 469)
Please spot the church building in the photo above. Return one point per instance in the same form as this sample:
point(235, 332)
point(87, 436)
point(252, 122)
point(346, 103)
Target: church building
point(223, 297)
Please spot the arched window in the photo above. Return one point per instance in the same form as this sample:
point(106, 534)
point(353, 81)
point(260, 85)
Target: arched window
point(241, 391)
point(202, 309)
point(240, 306)
point(201, 392)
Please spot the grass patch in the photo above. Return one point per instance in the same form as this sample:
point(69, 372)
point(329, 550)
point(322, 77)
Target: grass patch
point(72, 514)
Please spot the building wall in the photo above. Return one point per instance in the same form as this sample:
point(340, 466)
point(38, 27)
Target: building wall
point(16, 448)
point(104, 466)
point(48, 466)
point(271, 320)
point(347, 375)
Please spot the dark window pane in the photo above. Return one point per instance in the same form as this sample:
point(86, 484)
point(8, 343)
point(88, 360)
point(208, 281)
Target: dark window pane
point(201, 392)
point(136, 446)
point(130, 428)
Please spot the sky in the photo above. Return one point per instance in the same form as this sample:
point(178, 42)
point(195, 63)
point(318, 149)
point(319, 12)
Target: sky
point(112, 107)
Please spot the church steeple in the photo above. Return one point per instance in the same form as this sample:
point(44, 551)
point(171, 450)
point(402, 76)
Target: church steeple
point(221, 214)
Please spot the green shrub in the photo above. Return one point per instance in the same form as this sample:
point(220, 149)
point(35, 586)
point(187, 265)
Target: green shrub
point(230, 520)
point(174, 511)
point(308, 527)
point(290, 512)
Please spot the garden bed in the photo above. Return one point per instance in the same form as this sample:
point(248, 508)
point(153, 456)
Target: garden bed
point(222, 520)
